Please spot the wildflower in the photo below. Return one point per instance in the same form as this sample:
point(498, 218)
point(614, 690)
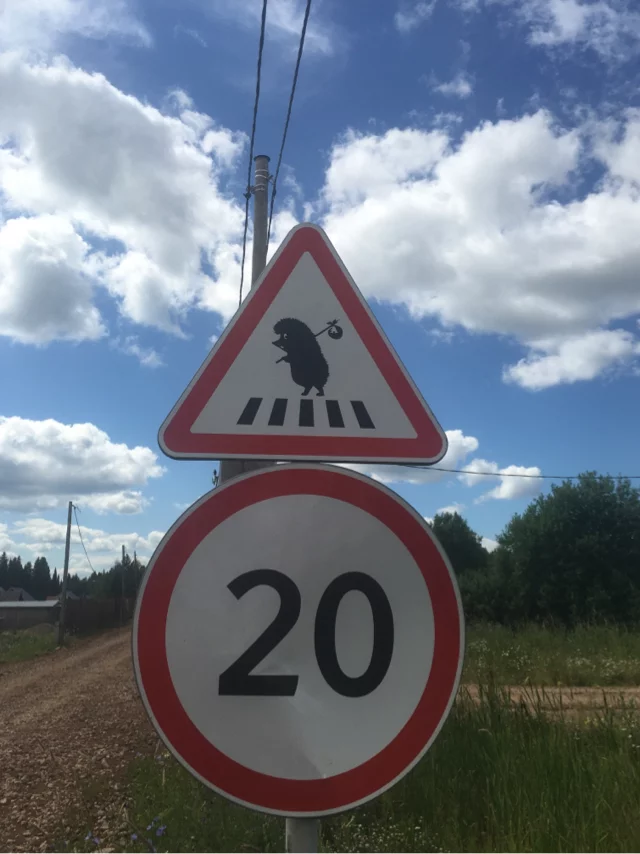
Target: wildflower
point(88, 836)
point(96, 841)
point(134, 836)
point(161, 830)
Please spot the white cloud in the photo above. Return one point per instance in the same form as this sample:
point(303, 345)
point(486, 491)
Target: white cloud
point(461, 86)
point(510, 487)
point(44, 464)
point(611, 28)
point(473, 233)
point(130, 346)
point(82, 158)
point(412, 14)
point(460, 446)
point(575, 359)
point(490, 545)
point(45, 292)
point(450, 508)
point(42, 24)
point(284, 22)
point(38, 536)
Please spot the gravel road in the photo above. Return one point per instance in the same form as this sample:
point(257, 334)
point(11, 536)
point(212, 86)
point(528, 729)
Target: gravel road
point(68, 720)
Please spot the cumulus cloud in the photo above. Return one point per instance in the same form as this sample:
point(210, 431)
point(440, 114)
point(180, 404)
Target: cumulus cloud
point(130, 346)
point(489, 544)
point(460, 446)
point(474, 233)
point(460, 86)
point(575, 359)
point(45, 292)
point(84, 163)
point(42, 24)
point(610, 28)
point(474, 472)
point(450, 508)
point(514, 481)
point(44, 464)
point(37, 536)
point(411, 15)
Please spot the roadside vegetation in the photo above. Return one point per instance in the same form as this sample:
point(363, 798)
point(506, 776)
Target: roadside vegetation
point(27, 643)
point(500, 777)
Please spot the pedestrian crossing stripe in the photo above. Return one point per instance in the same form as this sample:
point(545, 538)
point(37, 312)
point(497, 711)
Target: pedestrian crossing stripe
point(305, 413)
point(303, 372)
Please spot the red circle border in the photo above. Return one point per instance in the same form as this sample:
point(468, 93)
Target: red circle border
point(253, 788)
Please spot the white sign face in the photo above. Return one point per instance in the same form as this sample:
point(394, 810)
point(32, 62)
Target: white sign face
point(293, 669)
point(350, 374)
point(303, 371)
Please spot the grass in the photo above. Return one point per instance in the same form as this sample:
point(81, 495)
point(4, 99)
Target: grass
point(499, 778)
point(534, 655)
point(21, 645)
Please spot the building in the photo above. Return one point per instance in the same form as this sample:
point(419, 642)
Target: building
point(16, 594)
point(70, 595)
point(24, 614)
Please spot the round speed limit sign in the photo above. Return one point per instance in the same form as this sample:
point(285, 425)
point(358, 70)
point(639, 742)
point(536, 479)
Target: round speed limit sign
point(298, 639)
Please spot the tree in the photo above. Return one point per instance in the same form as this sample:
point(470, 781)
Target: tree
point(55, 584)
point(574, 555)
point(14, 572)
point(41, 582)
point(462, 545)
point(4, 571)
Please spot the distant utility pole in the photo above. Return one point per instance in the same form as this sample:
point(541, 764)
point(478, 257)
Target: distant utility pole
point(65, 579)
point(231, 468)
point(122, 589)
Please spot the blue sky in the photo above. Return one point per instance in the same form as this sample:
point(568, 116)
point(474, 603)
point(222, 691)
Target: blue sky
point(475, 162)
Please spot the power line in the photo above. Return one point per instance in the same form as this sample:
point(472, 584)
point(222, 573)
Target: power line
point(515, 474)
point(286, 124)
point(247, 194)
point(75, 510)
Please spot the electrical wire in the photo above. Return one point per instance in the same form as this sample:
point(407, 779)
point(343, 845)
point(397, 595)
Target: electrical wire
point(75, 510)
point(274, 189)
point(515, 474)
point(247, 194)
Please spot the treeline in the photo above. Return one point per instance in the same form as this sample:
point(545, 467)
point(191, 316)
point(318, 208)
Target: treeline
point(38, 580)
point(573, 556)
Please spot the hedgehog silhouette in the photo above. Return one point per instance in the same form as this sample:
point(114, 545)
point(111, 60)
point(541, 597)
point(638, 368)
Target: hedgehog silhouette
point(309, 367)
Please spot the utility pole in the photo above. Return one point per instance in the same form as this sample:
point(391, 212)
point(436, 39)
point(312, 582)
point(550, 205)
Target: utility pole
point(301, 834)
point(122, 589)
point(65, 578)
point(231, 468)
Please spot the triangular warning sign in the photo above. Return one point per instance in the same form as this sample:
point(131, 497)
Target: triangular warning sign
point(303, 372)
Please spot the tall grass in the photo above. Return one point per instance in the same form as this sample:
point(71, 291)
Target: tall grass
point(499, 778)
point(19, 646)
point(536, 655)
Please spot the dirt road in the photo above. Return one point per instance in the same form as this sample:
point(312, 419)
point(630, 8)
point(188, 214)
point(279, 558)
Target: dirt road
point(68, 721)
point(72, 720)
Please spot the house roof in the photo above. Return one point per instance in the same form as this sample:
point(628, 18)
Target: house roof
point(29, 604)
point(12, 594)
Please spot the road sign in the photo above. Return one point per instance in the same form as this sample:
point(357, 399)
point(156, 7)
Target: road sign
point(304, 669)
point(303, 372)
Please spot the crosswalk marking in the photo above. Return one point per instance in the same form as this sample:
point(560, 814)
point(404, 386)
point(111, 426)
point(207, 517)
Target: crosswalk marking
point(276, 419)
point(306, 414)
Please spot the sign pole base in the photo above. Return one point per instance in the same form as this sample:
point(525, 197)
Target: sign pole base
point(302, 834)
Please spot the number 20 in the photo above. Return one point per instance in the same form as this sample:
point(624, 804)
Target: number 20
point(237, 680)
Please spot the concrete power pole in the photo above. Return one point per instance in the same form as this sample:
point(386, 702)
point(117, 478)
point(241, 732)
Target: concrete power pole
point(65, 579)
point(122, 589)
point(231, 468)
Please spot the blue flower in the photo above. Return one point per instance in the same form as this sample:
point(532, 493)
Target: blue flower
point(88, 836)
point(161, 830)
point(134, 836)
point(96, 841)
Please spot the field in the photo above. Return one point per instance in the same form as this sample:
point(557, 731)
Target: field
point(25, 644)
point(533, 655)
point(528, 775)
